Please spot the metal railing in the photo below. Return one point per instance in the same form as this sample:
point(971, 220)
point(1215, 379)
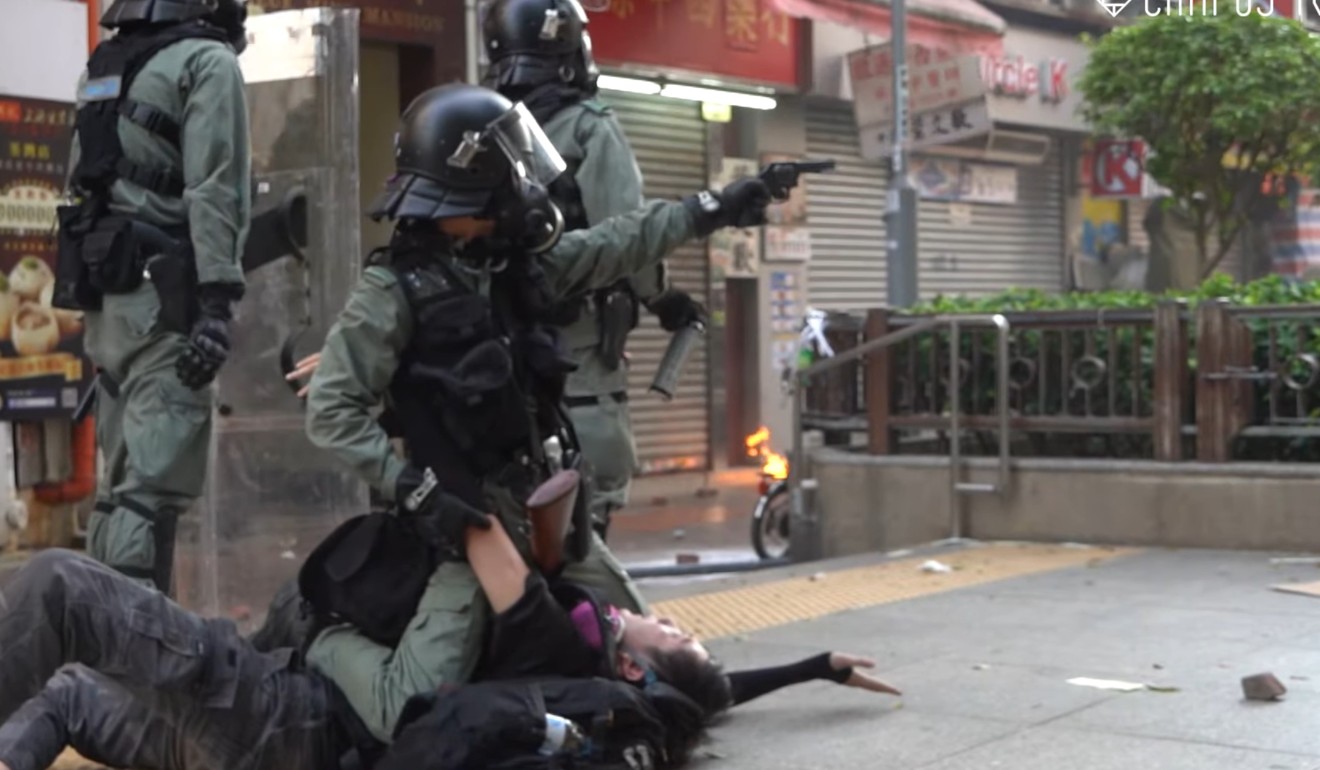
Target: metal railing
point(799, 475)
point(958, 488)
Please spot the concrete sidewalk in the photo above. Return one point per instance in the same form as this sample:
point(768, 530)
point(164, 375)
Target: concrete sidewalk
point(984, 669)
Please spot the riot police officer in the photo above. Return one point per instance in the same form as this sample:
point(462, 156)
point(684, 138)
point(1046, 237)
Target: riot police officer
point(540, 54)
point(149, 249)
point(449, 326)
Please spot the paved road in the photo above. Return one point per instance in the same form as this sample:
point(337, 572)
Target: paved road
point(984, 673)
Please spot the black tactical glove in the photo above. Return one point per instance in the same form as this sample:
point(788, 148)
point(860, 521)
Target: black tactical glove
point(741, 204)
point(208, 343)
point(676, 309)
point(441, 518)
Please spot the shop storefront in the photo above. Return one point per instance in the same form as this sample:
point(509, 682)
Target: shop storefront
point(994, 133)
point(668, 68)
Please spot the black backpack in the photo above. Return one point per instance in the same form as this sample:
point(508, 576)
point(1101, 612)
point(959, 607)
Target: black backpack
point(371, 571)
point(500, 725)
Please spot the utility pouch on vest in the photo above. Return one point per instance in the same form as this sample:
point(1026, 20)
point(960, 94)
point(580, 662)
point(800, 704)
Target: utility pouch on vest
point(616, 311)
point(370, 572)
point(73, 285)
point(112, 255)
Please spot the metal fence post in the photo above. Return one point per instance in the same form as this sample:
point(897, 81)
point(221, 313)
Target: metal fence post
point(878, 374)
point(1170, 378)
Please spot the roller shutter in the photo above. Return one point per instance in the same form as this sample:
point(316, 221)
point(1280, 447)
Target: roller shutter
point(669, 140)
point(845, 210)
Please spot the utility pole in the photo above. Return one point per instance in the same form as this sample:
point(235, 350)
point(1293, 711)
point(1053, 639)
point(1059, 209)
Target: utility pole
point(901, 213)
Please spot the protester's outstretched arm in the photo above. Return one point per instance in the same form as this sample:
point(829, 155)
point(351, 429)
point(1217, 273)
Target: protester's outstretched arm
point(837, 667)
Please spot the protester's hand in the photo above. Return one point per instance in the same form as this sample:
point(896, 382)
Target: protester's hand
point(842, 661)
point(304, 368)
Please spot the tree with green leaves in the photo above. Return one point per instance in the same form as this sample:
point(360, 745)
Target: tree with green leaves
point(1221, 102)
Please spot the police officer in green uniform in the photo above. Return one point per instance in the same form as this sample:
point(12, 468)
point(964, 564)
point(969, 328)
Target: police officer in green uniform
point(449, 326)
point(540, 54)
point(150, 250)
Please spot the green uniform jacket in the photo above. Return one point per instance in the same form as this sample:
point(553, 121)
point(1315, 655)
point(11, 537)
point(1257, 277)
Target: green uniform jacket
point(358, 361)
point(590, 139)
point(362, 349)
point(200, 84)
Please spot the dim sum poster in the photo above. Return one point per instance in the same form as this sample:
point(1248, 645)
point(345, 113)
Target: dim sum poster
point(43, 371)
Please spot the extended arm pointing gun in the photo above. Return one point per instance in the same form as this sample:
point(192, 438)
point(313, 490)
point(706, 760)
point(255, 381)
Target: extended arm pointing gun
point(780, 178)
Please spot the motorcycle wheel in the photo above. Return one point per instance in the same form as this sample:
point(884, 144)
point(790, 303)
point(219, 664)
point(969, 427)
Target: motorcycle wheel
point(770, 536)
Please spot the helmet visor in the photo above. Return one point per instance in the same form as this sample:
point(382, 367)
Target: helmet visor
point(524, 144)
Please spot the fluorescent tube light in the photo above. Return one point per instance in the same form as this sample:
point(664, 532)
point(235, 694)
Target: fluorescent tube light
point(731, 98)
point(630, 85)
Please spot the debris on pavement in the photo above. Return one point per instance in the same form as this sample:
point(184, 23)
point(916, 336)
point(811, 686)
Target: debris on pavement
point(680, 533)
point(1296, 560)
point(1262, 687)
point(288, 555)
point(817, 577)
point(936, 567)
point(1118, 685)
point(687, 558)
point(980, 667)
point(1305, 589)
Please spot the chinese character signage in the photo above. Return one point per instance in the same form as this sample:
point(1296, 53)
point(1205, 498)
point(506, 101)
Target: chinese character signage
point(944, 179)
point(430, 22)
point(745, 39)
point(936, 78)
point(42, 369)
point(941, 126)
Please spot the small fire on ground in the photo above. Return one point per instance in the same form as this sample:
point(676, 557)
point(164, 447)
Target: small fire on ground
point(773, 464)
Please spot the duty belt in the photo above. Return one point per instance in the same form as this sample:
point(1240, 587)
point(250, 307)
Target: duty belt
point(572, 402)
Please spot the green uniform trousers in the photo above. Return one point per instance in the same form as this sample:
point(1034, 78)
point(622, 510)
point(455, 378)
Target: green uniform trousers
point(153, 433)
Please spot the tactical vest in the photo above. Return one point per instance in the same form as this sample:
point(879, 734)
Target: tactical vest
point(479, 384)
point(103, 99)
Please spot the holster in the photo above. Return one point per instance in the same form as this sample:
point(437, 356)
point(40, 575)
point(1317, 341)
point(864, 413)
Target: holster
point(578, 543)
point(173, 271)
point(617, 314)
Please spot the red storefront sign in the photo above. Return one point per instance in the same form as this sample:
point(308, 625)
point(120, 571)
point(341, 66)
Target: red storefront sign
point(745, 39)
point(1117, 168)
point(1015, 76)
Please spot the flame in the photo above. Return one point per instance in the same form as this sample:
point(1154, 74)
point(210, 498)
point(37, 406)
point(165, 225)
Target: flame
point(773, 464)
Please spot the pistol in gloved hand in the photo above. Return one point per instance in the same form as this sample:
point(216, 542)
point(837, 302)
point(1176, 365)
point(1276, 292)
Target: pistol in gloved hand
point(741, 203)
point(677, 310)
point(441, 518)
point(208, 341)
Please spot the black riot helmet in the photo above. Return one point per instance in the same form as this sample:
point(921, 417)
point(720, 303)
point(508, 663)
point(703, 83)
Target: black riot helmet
point(534, 42)
point(228, 15)
point(464, 150)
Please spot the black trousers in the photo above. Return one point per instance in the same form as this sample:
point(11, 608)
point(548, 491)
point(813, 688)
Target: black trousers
point(94, 660)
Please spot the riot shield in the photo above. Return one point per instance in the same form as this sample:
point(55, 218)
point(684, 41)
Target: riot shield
point(271, 496)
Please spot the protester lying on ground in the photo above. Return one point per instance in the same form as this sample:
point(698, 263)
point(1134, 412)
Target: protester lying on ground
point(160, 688)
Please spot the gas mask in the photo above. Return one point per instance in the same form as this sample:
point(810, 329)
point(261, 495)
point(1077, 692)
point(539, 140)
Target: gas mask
point(526, 220)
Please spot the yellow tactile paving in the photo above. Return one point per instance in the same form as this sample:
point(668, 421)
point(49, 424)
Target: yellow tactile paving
point(741, 610)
